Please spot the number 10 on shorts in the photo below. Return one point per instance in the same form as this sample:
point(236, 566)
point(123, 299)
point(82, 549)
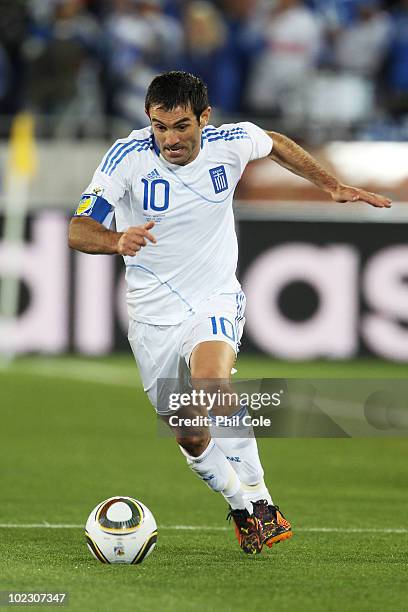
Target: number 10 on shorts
point(223, 325)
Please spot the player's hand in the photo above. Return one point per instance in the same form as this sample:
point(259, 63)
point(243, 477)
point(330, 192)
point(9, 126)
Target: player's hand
point(344, 193)
point(135, 238)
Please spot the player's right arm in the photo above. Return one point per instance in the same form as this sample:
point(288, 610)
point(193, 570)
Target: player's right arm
point(89, 230)
point(90, 236)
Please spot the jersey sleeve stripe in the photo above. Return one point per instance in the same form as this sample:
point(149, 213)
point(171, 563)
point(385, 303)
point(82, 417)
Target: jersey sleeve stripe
point(228, 138)
point(116, 152)
point(224, 134)
point(235, 130)
point(111, 152)
point(140, 146)
point(237, 133)
point(117, 156)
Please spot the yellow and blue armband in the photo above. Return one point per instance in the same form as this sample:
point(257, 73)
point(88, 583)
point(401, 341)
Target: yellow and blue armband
point(93, 206)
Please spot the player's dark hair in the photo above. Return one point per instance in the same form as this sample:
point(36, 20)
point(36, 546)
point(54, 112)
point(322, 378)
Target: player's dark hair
point(177, 88)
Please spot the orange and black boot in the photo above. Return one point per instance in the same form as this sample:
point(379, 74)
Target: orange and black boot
point(248, 531)
point(274, 526)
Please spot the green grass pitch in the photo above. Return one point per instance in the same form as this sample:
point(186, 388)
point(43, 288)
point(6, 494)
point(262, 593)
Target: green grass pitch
point(76, 431)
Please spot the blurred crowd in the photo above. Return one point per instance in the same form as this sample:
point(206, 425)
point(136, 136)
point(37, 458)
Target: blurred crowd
point(85, 63)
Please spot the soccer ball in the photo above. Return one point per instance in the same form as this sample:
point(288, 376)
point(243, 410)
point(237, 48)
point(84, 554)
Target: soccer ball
point(121, 530)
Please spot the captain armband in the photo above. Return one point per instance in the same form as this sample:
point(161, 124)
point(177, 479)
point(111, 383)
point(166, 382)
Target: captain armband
point(95, 207)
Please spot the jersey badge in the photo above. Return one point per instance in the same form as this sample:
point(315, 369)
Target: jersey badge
point(86, 205)
point(219, 179)
point(98, 191)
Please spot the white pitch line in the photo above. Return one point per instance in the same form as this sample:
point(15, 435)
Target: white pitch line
point(81, 370)
point(37, 526)
point(214, 528)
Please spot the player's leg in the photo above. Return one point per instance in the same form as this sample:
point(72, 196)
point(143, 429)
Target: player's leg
point(211, 364)
point(242, 451)
point(204, 457)
point(157, 353)
point(208, 361)
point(214, 360)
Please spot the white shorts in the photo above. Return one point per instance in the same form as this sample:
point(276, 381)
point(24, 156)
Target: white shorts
point(163, 351)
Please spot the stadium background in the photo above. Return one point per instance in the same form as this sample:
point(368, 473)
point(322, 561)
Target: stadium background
point(333, 303)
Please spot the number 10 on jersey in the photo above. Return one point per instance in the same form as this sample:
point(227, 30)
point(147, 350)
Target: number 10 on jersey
point(156, 195)
point(224, 325)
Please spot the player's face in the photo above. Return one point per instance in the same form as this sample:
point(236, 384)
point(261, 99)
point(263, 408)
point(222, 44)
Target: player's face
point(178, 133)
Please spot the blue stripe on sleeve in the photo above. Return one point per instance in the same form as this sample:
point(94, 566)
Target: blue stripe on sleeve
point(141, 145)
point(212, 134)
point(123, 147)
point(116, 150)
point(109, 155)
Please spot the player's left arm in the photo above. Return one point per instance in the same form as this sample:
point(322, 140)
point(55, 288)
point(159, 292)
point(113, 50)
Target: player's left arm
point(291, 156)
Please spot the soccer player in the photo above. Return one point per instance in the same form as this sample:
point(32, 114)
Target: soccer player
point(170, 188)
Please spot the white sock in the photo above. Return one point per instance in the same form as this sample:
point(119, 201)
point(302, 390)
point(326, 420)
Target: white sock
point(242, 454)
point(216, 471)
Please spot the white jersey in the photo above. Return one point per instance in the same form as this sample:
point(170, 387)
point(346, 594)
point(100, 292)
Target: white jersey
point(196, 254)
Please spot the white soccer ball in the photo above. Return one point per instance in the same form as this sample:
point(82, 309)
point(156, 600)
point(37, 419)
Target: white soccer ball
point(121, 530)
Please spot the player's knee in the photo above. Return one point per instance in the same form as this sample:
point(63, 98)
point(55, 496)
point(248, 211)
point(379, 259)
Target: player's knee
point(211, 382)
point(208, 372)
point(194, 444)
